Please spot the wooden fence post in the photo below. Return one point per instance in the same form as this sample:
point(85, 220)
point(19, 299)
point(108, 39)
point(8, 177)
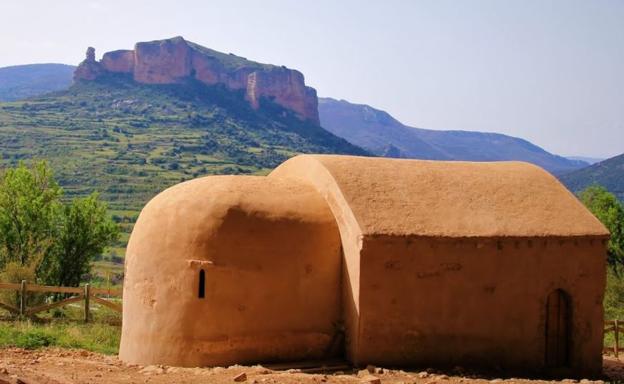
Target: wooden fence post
point(87, 293)
point(616, 331)
point(78, 294)
point(22, 308)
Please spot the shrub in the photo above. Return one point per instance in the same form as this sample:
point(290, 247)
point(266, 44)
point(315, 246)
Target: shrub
point(34, 339)
point(14, 272)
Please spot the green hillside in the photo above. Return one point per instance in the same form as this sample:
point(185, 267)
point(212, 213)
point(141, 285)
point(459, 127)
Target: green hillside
point(130, 141)
point(608, 173)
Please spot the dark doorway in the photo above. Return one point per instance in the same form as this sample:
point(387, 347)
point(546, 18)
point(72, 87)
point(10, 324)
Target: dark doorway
point(558, 332)
point(202, 284)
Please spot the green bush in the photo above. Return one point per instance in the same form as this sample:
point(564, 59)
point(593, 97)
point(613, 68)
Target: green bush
point(14, 272)
point(606, 207)
point(34, 339)
point(614, 297)
point(610, 211)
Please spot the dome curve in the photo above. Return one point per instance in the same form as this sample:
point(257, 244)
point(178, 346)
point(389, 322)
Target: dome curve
point(242, 232)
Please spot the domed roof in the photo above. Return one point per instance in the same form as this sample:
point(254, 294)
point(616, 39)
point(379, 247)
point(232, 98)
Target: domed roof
point(186, 216)
point(211, 261)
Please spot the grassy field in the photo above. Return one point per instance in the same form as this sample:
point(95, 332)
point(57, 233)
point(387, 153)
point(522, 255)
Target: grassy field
point(96, 337)
point(64, 327)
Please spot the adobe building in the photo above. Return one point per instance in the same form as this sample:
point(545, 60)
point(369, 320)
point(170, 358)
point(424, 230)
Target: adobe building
point(383, 261)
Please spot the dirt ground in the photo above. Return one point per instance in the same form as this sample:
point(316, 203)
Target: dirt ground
point(64, 366)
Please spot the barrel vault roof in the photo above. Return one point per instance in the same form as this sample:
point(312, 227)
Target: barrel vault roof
point(446, 199)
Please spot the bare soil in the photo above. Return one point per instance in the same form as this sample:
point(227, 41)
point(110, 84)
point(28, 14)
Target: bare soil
point(64, 366)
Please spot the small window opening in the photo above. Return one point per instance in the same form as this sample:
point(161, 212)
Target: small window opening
point(202, 284)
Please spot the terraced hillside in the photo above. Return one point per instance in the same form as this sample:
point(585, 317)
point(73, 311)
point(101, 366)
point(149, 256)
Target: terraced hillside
point(130, 141)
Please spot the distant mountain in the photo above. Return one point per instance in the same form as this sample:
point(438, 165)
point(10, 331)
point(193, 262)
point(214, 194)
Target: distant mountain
point(380, 133)
point(179, 62)
point(175, 61)
point(608, 173)
point(588, 160)
point(23, 81)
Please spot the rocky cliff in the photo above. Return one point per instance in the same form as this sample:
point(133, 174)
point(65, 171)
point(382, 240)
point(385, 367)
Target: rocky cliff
point(177, 60)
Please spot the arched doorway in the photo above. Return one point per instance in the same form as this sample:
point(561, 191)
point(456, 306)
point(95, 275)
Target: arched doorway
point(558, 332)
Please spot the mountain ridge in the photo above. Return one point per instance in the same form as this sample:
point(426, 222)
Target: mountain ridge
point(175, 60)
point(160, 62)
point(29, 80)
point(587, 159)
point(382, 134)
point(608, 173)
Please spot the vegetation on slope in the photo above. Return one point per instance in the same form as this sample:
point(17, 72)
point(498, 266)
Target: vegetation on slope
point(229, 60)
point(608, 173)
point(130, 141)
point(606, 207)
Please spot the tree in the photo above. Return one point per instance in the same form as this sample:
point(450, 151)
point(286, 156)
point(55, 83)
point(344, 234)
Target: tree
point(608, 209)
point(85, 230)
point(29, 202)
point(44, 238)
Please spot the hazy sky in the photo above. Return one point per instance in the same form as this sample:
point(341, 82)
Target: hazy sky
point(548, 71)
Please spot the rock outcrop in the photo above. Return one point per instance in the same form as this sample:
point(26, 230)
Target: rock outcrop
point(177, 60)
point(89, 69)
point(121, 61)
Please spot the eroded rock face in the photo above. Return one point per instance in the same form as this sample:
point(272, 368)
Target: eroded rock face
point(121, 61)
point(208, 70)
point(284, 86)
point(163, 62)
point(176, 60)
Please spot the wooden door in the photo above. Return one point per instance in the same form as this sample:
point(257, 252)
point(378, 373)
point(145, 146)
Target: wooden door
point(558, 332)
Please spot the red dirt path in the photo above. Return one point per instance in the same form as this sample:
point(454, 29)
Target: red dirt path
point(64, 366)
